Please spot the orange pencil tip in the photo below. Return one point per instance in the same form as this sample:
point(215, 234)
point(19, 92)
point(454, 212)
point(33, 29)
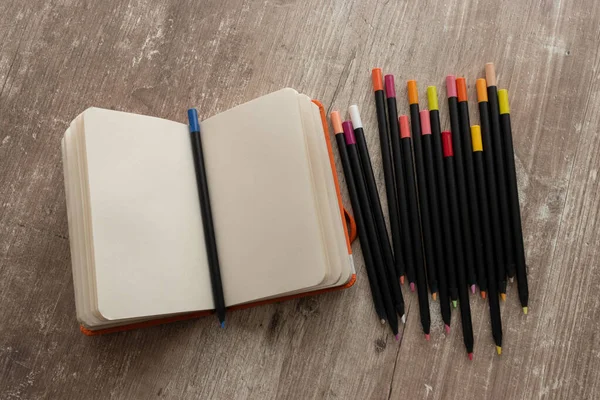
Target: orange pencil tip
point(483, 294)
point(336, 121)
point(461, 88)
point(402, 280)
point(413, 94)
point(434, 296)
point(503, 296)
point(481, 85)
point(377, 78)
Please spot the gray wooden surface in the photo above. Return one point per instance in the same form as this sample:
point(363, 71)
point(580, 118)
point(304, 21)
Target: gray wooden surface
point(159, 58)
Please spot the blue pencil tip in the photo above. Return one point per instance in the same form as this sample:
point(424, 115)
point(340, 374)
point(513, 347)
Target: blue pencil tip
point(193, 120)
point(223, 324)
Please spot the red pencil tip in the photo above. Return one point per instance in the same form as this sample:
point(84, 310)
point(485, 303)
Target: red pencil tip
point(427, 336)
point(447, 329)
point(412, 286)
point(402, 280)
point(471, 356)
point(483, 294)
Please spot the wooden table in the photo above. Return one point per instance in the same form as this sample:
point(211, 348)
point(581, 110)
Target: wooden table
point(159, 58)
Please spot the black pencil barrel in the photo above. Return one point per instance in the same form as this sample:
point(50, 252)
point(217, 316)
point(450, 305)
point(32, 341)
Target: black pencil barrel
point(390, 183)
point(382, 269)
point(498, 155)
point(436, 227)
point(362, 229)
point(464, 124)
point(461, 188)
point(463, 292)
point(438, 158)
point(207, 221)
point(490, 260)
point(375, 207)
point(411, 189)
point(400, 188)
point(423, 199)
point(492, 192)
point(515, 210)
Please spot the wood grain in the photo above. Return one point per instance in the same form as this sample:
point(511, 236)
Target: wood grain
point(159, 58)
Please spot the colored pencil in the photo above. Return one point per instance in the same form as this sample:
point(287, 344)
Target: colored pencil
point(464, 124)
point(415, 230)
point(373, 194)
point(382, 268)
point(513, 198)
point(491, 184)
point(463, 292)
point(400, 184)
point(206, 212)
point(360, 222)
point(438, 159)
point(428, 244)
point(492, 92)
point(461, 185)
point(436, 220)
point(490, 259)
point(388, 174)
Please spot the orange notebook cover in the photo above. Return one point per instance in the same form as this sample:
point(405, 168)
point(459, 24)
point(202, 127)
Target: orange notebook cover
point(349, 231)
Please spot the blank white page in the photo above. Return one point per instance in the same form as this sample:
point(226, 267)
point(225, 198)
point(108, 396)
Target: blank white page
point(148, 243)
point(266, 220)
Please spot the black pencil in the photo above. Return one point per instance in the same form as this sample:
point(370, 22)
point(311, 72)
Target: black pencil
point(390, 91)
point(365, 159)
point(463, 292)
point(207, 221)
point(383, 273)
point(490, 260)
point(513, 197)
point(498, 154)
point(438, 159)
point(467, 152)
point(436, 220)
point(400, 256)
point(358, 216)
point(415, 229)
point(375, 203)
point(461, 185)
point(428, 244)
point(491, 184)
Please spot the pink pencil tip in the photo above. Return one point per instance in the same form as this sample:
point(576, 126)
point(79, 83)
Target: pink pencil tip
point(397, 337)
point(473, 289)
point(451, 86)
point(471, 356)
point(412, 286)
point(427, 336)
point(447, 329)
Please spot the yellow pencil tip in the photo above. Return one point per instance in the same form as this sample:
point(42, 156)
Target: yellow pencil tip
point(525, 310)
point(503, 296)
point(499, 350)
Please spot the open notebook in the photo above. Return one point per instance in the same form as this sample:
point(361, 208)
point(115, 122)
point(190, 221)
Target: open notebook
point(135, 226)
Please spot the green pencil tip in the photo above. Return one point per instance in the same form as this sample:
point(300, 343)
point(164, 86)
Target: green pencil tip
point(525, 310)
point(454, 303)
